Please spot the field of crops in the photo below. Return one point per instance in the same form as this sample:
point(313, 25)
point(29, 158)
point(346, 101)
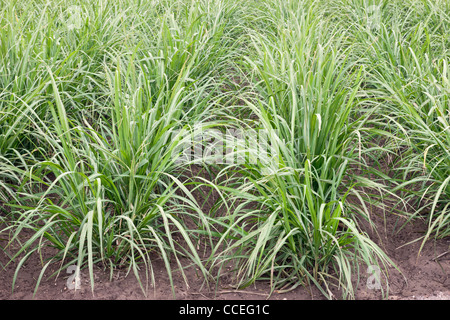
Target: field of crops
point(255, 141)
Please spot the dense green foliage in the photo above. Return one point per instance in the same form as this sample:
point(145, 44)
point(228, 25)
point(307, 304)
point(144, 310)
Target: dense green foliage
point(96, 97)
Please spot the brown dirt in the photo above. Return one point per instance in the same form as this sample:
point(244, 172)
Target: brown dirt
point(422, 277)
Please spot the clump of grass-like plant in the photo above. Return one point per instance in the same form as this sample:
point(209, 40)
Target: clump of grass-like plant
point(406, 59)
point(105, 187)
point(293, 224)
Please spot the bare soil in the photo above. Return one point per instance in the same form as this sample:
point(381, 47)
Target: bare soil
point(421, 277)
